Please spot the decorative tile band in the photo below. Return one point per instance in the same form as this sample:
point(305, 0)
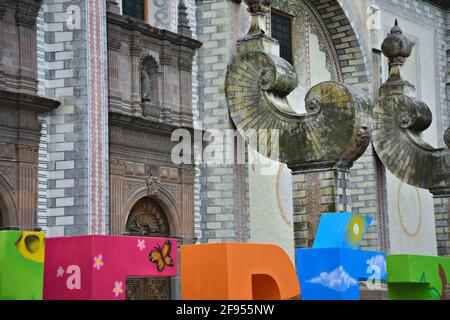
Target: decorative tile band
point(97, 106)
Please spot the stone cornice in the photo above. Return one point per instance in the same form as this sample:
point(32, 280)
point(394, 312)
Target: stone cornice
point(27, 101)
point(145, 29)
point(146, 125)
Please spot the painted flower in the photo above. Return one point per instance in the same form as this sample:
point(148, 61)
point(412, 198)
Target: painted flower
point(98, 262)
point(118, 288)
point(60, 272)
point(141, 244)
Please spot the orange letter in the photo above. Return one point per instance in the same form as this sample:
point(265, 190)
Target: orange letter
point(237, 271)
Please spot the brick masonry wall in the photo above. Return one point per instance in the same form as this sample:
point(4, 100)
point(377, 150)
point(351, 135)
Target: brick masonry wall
point(221, 194)
point(192, 15)
point(365, 200)
point(442, 215)
point(348, 40)
point(448, 68)
point(65, 80)
point(43, 119)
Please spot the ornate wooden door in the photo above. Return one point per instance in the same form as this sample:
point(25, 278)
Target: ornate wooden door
point(152, 288)
point(147, 218)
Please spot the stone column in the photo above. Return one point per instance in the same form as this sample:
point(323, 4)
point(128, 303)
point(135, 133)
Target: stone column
point(187, 176)
point(27, 191)
point(135, 52)
point(26, 33)
point(164, 62)
point(317, 191)
point(185, 69)
point(116, 194)
point(115, 97)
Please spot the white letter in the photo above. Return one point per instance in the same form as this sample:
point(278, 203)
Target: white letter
point(182, 152)
point(74, 280)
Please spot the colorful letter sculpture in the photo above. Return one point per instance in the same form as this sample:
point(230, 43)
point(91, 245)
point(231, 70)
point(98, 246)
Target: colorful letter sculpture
point(237, 271)
point(96, 267)
point(413, 277)
point(21, 265)
point(341, 230)
point(332, 269)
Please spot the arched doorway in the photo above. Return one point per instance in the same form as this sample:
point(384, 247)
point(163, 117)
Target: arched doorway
point(147, 218)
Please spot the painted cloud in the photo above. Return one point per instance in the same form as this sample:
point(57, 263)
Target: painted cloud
point(378, 261)
point(337, 280)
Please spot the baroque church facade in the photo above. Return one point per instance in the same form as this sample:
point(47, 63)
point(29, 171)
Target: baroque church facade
point(92, 91)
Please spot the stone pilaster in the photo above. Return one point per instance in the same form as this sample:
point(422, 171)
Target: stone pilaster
point(135, 53)
point(185, 69)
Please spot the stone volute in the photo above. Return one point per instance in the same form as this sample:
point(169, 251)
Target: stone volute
point(319, 146)
point(399, 120)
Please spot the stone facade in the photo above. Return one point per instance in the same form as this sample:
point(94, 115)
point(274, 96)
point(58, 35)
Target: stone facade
point(20, 106)
point(65, 54)
point(141, 126)
point(105, 152)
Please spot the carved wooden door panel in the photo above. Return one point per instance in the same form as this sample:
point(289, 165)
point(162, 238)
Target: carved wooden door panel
point(147, 218)
point(152, 288)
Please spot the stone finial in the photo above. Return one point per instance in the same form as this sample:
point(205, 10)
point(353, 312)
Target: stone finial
point(397, 48)
point(183, 21)
point(258, 9)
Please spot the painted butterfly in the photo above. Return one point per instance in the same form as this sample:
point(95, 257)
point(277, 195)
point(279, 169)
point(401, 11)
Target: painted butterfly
point(161, 256)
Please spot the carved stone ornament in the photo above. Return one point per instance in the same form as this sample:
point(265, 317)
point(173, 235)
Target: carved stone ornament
point(7, 151)
point(27, 153)
point(6, 171)
point(183, 21)
point(258, 10)
point(114, 43)
point(147, 219)
point(187, 175)
point(23, 19)
point(397, 48)
point(135, 46)
point(399, 121)
point(117, 166)
point(153, 185)
point(257, 85)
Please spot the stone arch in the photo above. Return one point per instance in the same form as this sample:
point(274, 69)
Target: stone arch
point(358, 48)
point(343, 35)
point(148, 65)
point(164, 199)
point(7, 205)
point(148, 218)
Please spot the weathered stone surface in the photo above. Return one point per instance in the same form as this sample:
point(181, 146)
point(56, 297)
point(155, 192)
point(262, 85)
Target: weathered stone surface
point(336, 129)
point(399, 120)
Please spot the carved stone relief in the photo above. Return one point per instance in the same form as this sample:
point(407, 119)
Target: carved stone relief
point(153, 184)
point(7, 151)
point(147, 218)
